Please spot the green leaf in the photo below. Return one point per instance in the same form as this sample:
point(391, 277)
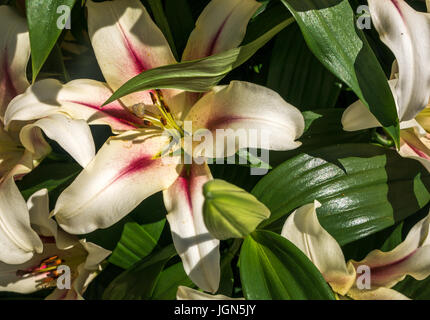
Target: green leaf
point(52, 176)
point(169, 281)
point(385, 240)
point(137, 242)
point(226, 284)
point(231, 212)
point(198, 75)
point(271, 267)
point(44, 18)
point(414, 289)
point(330, 31)
point(323, 128)
point(138, 282)
point(362, 188)
point(298, 76)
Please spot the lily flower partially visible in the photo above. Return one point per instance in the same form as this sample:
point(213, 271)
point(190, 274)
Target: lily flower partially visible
point(185, 293)
point(129, 168)
point(406, 32)
point(22, 145)
point(386, 269)
point(59, 249)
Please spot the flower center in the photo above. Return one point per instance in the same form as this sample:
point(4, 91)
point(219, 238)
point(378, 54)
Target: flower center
point(163, 120)
point(47, 267)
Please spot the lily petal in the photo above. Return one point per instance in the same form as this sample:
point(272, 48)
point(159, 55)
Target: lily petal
point(406, 32)
point(10, 152)
point(304, 230)
point(198, 250)
point(81, 99)
point(378, 294)
point(14, 55)
point(11, 282)
point(220, 27)
point(259, 114)
point(411, 257)
point(358, 117)
point(415, 144)
point(96, 255)
point(38, 207)
point(86, 272)
point(185, 293)
point(123, 173)
point(423, 118)
point(18, 241)
point(74, 136)
point(126, 42)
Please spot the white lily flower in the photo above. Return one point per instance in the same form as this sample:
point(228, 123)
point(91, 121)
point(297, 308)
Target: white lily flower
point(405, 31)
point(59, 249)
point(185, 293)
point(411, 257)
point(128, 167)
point(22, 145)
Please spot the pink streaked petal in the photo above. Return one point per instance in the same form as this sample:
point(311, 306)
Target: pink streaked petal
point(220, 27)
point(415, 145)
point(260, 114)
point(81, 99)
point(122, 175)
point(198, 250)
point(14, 55)
point(411, 257)
point(407, 33)
point(304, 230)
point(126, 42)
point(376, 294)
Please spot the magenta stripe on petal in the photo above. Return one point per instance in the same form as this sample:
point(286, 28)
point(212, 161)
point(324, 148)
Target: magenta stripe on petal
point(418, 152)
point(8, 86)
point(222, 121)
point(185, 184)
point(380, 273)
point(139, 65)
point(118, 114)
point(397, 5)
point(135, 166)
point(213, 43)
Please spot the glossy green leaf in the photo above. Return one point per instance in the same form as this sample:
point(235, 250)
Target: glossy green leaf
point(271, 267)
point(329, 28)
point(46, 20)
point(169, 281)
point(138, 282)
point(231, 212)
point(137, 242)
point(198, 75)
point(323, 128)
point(362, 188)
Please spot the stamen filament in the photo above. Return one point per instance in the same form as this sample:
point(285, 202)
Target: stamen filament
point(164, 109)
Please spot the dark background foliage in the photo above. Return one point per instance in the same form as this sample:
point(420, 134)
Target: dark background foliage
point(288, 66)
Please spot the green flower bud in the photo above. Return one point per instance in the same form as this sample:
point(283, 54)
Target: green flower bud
point(231, 212)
